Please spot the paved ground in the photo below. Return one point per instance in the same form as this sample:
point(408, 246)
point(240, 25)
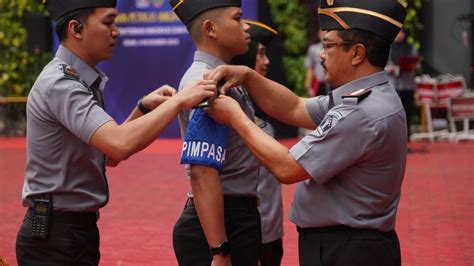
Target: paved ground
point(435, 219)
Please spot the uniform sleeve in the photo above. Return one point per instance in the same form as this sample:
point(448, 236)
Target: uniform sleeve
point(338, 142)
point(74, 106)
point(205, 142)
point(317, 108)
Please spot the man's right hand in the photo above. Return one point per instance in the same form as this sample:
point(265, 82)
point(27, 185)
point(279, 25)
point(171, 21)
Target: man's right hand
point(158, 96)
point(195, 92)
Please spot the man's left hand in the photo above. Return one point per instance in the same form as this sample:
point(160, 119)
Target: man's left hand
point(225, 110)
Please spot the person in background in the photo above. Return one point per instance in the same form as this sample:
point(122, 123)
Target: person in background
point(315, 81)
point(70, 137)
point(401, 67)
point(350, 169)
point(269, 189)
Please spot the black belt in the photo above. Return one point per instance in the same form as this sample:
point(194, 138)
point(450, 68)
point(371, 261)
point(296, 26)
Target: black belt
point(233, 202)
point(342, 229)
point(78, 218)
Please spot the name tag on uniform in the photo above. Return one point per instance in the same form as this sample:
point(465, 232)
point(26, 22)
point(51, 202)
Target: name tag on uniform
point(205, 142)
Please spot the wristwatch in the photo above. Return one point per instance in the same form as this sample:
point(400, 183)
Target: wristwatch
point(142, 107)
point(223, 249)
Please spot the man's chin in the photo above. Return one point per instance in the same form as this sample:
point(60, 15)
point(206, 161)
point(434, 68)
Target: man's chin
point(106, 57)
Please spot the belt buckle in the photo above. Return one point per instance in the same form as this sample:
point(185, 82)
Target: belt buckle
point(97, 215)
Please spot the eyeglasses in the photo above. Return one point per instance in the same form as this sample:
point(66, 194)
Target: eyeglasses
point(328, 45)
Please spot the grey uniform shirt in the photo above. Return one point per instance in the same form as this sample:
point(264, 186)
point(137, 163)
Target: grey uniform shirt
point(62, 116)
point(240, 171)
point(356, 159)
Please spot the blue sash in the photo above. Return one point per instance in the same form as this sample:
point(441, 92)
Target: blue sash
point(205, 142)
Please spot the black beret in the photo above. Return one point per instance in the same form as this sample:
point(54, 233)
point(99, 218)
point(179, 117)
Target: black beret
point(262, 33)
point(189, 9)
point(59, 8)
point(382, 17)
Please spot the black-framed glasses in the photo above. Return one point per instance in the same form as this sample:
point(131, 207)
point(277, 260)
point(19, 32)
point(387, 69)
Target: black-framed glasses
point(329, 45)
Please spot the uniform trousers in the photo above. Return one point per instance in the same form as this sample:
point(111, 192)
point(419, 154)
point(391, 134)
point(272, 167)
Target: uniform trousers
point(271, 253)
point(242, 224)
point(73, 239)
point(344, 246)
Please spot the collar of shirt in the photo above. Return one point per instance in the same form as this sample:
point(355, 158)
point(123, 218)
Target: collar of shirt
point(87, 74)
point(209, 59)
point(367, 82)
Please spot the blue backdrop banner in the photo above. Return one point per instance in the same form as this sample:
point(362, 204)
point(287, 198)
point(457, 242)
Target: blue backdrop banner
point(154, 49)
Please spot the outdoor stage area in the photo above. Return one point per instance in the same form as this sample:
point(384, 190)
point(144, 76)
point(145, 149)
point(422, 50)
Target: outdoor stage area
point(435, 219)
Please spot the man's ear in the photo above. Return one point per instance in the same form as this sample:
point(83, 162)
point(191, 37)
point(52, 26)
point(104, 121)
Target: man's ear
point(209, 28)
point(75, 29)
point(359, 54)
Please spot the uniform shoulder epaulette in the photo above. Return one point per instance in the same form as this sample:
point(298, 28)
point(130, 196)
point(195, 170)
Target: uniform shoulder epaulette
point(356, 96)
point(70, 72)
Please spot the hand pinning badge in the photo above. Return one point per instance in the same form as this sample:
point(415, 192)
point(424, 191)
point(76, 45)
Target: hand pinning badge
point(206, 103)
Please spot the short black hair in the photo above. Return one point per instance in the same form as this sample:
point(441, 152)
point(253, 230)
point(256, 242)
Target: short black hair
point(213, 14)
point(80, 15)
point(377, 49)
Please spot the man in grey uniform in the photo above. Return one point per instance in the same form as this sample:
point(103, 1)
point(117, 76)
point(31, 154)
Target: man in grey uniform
point(268, 189)
point(351, 167)
point(220, 223)
point(69, 134)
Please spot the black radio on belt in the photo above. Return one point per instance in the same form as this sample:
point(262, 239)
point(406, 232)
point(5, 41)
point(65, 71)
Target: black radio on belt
point(41, 212)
